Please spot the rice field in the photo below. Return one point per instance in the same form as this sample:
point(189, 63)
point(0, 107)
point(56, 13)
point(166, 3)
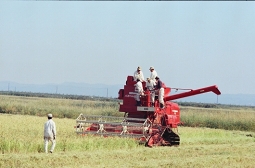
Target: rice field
point(228, 119)
point(205, 140)
point(21, 145)
point(234, 118)
point(62, 108)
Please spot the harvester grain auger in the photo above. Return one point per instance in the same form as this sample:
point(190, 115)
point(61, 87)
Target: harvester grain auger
point(152, 125)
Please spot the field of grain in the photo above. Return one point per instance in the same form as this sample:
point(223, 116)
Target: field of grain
point(62, 108)
point(237, 118)
point(21, 145)
point(232, 118)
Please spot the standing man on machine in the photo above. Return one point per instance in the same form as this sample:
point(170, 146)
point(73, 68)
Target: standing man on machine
point(161, 92)
point(150, 84)
point(139, 92)
point(138, 74)
point(153, 73)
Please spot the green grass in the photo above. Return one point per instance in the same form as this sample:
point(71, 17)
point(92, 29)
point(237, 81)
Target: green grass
point(22, 146)
point(21, 137)
point(24, 134)
point(234, 119)
point(62, 108)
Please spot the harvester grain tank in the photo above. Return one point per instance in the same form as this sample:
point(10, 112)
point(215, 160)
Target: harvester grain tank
point(152, 125)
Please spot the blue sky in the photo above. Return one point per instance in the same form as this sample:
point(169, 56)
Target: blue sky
point(190, 44)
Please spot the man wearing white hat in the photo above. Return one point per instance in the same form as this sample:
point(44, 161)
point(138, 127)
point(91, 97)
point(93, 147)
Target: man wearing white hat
point(138, 74)
point(49, 134)
point(153, 73)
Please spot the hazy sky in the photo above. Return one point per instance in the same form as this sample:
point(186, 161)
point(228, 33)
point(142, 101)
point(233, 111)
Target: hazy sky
point(190, 44)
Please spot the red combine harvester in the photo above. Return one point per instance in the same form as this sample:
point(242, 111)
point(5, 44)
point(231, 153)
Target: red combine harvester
point(153, 126)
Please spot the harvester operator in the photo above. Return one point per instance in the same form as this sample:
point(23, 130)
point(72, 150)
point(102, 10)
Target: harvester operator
point(139, 91)
point(161, 92)
point(138, 74)
point(153, 74)
point(150, 85)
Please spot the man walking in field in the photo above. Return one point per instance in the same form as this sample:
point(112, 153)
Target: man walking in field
point(49, 134)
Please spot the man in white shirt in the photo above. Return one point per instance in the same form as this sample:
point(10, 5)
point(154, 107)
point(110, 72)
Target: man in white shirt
point(153, 74)
point(138, 74)
point(150, 85)
point(139, 91)
point(49, 134)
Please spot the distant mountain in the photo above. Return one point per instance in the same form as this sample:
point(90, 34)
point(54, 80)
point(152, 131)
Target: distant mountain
point(103, 90)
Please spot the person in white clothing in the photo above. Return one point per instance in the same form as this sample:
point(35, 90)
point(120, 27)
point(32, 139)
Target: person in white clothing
point(49, 134)
point(138, 74)
point(139, 91)
point(153, 74)
point(150, 85)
